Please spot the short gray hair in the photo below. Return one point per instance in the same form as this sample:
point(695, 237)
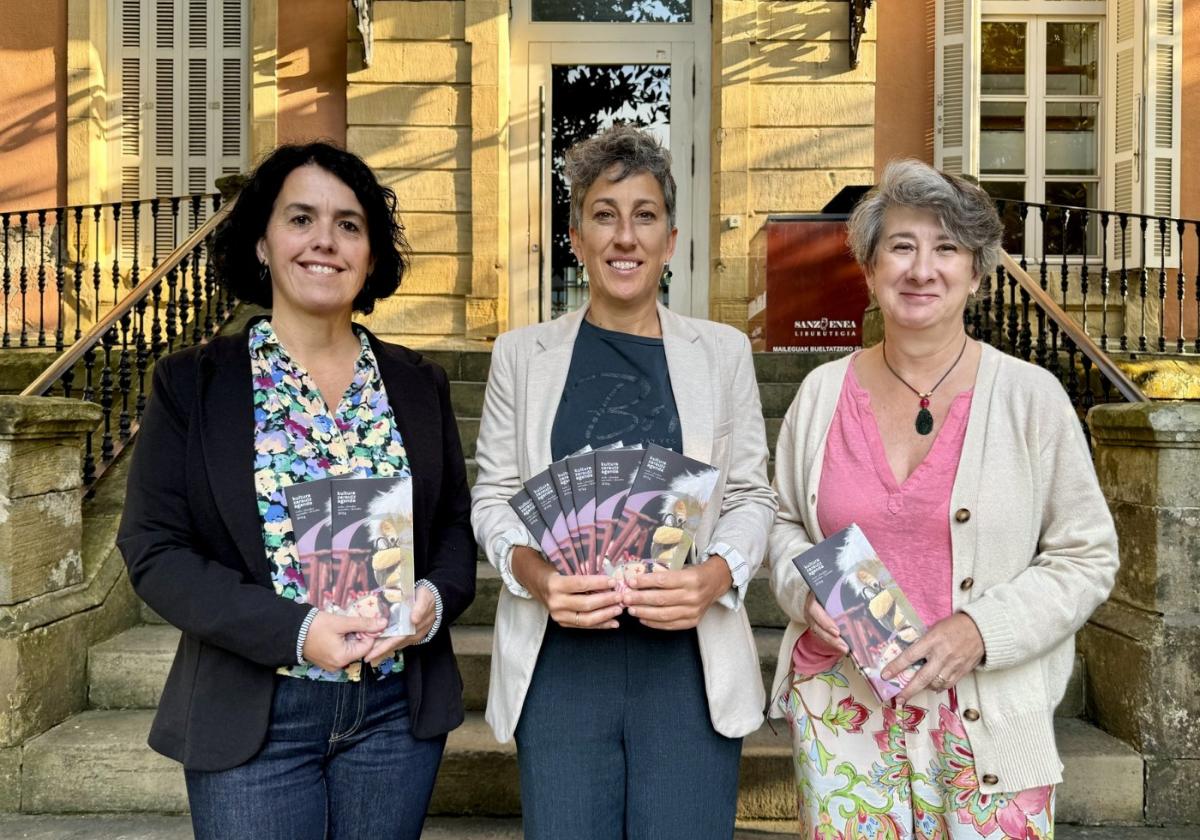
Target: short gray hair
point(633, 150)
point(966, 212)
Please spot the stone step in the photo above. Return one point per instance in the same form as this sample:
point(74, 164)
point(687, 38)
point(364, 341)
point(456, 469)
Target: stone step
point(466, 398)
point(473, 365)
point(129, 670)
point(98, 762)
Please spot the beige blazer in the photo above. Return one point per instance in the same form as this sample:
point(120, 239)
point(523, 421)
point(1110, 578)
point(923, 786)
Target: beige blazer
point(712, 377)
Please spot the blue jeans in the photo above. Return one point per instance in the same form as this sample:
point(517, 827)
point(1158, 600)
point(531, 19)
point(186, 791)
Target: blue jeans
point(340, 762)
point(615, 740)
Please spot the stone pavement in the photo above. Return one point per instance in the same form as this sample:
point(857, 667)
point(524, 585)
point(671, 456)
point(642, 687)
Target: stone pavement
point(158, 827)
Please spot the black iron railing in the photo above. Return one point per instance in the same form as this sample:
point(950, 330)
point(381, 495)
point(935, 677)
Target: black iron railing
point(65, 267)
point(1016, 314)
point(177, 304)
point(1123, 276)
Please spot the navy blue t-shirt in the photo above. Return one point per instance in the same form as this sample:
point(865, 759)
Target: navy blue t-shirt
point(618, 389)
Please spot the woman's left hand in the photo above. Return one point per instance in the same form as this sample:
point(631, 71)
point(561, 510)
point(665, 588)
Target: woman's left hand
point(423, 615)
point(951, 649)
point(676, 600)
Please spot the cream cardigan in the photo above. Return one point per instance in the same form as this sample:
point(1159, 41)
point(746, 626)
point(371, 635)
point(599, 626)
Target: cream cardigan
point(1034, 549)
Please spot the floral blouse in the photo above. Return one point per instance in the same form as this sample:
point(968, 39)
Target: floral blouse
point(297, 438)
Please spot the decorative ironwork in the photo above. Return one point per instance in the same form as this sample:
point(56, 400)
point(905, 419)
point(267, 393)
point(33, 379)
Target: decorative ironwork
point(118, 346)
point(858, 27)
point(364, 10)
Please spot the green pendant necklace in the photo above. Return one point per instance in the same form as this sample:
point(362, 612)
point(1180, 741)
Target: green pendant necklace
point(924, 424)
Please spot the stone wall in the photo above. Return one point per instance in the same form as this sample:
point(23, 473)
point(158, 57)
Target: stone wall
point(1143, 647)
point(792, 125)
point(410, 116)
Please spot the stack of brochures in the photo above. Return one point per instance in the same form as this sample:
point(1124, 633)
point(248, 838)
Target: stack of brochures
point(354, 537)
point(601, 511)
point(875, 618)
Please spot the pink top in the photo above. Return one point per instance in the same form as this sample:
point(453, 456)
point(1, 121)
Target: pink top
point(908, 524)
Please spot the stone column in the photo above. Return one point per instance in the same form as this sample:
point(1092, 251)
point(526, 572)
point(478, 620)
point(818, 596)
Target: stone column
point(1142, 648)
point(41, 496)
point(41, 459)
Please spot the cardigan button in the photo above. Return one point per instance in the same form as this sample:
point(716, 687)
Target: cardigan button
point(971, 715)
point(990, 779)
point(962, 515)
point(967, 583)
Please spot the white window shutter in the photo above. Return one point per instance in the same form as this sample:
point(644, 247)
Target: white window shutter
point(233, 148)
point(1124, 63)
point(956, 79)
point(1163, 65)
point(129, 87)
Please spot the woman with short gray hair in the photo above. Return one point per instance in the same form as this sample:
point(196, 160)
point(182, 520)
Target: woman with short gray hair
point(628, 707)
point(967, 471)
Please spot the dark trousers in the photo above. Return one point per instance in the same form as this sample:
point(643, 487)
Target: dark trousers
point(615, 741)
point(340, 762)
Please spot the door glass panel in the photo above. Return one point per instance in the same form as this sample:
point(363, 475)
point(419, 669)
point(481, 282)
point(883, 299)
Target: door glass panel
point(1002, 138)
point(1071, 138)
point(613, 11)
point(1072, 194)
point(1072, 62)
point(586, 99)
point(1003, 58)
point(1010, 212)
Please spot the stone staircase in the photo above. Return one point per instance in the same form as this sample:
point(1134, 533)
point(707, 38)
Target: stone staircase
point(97, 761)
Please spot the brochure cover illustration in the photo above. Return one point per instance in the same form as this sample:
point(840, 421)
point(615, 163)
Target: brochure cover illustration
point(372, 550)
point(873, 614)
point(662, 511)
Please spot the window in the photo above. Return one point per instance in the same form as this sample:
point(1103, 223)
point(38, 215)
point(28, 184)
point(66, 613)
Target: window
point(1039, 122)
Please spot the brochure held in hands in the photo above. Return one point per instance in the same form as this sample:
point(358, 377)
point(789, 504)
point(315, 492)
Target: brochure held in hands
point(873, 614)
point(354, 537)
point(603, 511)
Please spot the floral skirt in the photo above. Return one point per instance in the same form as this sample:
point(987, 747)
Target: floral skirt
point(866, 772)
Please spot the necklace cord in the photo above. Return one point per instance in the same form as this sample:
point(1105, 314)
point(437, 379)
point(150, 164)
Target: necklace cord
point(928, 393)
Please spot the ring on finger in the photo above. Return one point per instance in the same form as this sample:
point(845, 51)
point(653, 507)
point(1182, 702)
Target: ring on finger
point(578, 620)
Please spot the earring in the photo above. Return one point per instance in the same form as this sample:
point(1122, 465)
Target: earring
point(583, 278)
point(665, 280)
point(264, 273)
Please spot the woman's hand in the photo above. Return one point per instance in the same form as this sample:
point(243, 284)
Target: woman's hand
point(423, 615)
point(335, 641)
point(951, 649)
point(676, 600)
point(581, 601)
point(822, 626)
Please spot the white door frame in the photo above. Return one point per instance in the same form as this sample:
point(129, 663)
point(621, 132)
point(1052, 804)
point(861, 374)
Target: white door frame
point(536, 47)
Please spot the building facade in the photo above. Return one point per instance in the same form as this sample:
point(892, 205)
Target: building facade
point(465, 108)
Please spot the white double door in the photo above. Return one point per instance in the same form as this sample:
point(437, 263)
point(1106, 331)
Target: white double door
point(566, 91)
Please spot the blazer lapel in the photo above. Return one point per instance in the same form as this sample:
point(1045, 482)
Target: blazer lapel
point(692, 383)
point(227, 440)
point(412, 419)
point(546, 376)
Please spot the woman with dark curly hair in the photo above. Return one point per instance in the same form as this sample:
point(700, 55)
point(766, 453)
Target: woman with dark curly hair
point(289, 721)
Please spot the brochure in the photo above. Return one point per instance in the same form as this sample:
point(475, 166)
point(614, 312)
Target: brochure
point(528, 513)
point(873, 614)
point(663, 510)
point(309, 508)
point(372, 549)
point(615, 473)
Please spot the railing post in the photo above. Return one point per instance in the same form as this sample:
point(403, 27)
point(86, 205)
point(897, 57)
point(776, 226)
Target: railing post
point(41, 278)
point(23, 277)
point(1124, 219)
point(60, 279)
point(5, 223)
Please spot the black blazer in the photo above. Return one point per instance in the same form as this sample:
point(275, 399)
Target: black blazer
point(192, 540)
